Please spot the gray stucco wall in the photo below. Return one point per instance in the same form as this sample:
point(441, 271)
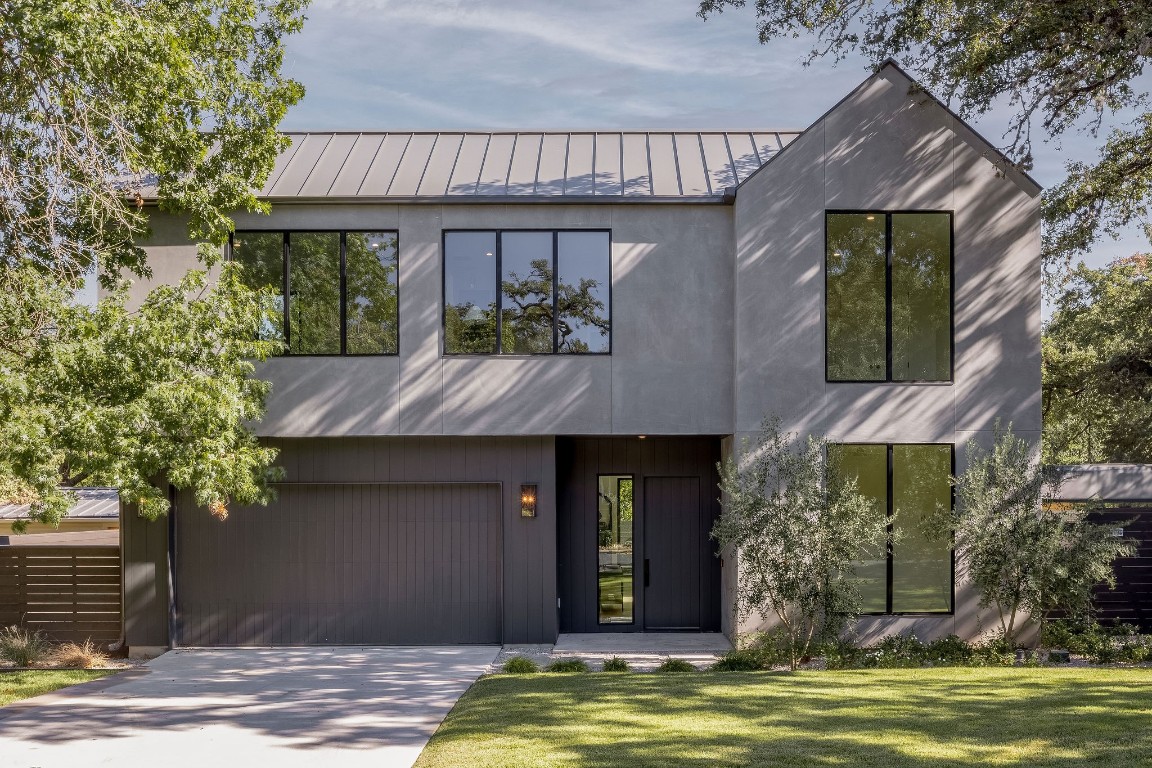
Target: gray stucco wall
point(669, 372)
point(888, 147)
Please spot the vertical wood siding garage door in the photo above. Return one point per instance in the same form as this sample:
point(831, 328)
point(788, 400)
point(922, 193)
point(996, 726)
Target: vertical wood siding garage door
point(328, 564)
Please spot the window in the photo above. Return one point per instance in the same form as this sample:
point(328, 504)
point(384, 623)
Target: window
point(907, 483)
point(888, 292)
point(527, 292)
point(336, 291)
point(614, 549)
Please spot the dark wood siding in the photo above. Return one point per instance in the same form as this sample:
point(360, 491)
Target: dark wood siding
point(328, 564)
point(70, 593)
point(1131, 601)
point(579, 461)
point(428, 530)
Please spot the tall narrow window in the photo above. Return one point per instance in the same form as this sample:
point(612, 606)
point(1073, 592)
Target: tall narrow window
point(370, 309)
point(614, 573)
point(888, 296)
point(908, 484)
point(527, 292)
point(334, 293)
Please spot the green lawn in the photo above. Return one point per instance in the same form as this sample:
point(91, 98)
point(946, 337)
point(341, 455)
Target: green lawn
point(26, 684)
point(889, 718)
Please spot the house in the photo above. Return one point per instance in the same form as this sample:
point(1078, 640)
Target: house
point(516, 359)
point(93, 518)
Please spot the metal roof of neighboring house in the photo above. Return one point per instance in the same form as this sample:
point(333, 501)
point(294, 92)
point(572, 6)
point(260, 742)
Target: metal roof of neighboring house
point(91, 504)
point(460, 166)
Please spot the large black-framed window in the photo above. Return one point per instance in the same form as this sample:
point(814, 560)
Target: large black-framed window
point(913, 572)
point(527, 292)
point(889, 302)
point(335, 290)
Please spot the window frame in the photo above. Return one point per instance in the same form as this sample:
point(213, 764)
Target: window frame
point(889, 548)
point(286, 285)
point(555, 232)
point(887, 214)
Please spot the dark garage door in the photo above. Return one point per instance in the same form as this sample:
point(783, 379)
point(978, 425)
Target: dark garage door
point(372, 564)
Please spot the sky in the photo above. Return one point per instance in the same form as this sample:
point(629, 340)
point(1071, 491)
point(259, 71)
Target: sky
point(407, 65)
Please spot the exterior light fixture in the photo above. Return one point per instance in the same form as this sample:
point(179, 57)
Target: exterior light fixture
point(528, 500)
point(870, 217)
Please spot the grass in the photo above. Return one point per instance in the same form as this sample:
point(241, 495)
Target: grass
point(1040, 718)
point(26, 684)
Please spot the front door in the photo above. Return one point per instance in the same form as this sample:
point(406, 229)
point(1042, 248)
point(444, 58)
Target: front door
point(672, 545)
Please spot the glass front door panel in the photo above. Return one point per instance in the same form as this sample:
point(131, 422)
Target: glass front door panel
point(614, 586)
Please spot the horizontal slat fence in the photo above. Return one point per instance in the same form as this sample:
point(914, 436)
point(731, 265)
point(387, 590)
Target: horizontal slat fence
point(70, 593)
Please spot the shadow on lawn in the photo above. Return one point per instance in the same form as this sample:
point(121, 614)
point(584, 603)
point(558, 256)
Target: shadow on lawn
point(867, 718)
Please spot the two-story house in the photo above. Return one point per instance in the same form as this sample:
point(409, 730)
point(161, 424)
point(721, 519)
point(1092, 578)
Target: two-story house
point(515, 359)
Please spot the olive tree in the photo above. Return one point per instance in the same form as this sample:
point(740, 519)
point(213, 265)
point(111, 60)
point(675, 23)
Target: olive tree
point(1022, 556)
point(797, 525)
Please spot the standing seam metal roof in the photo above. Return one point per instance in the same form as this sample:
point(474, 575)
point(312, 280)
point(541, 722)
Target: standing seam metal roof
point(90, 504)
point(652, 165)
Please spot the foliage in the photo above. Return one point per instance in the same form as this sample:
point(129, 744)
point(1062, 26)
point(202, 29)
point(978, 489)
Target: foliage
point(797, 526)
point(1100, 644)
point(567, 666)
point(616, 664)
point(132, 398)
point(22, 646)
point(1098, 366)
point(83, 655)
point(1020, 555)
point(674, 666)
point(1066, 65)
point(105, 103)
point(520, 665)
point(104, 99)
point(746, 660)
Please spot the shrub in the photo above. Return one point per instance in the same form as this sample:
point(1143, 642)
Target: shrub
point(996, 651)
point(520, 665)
point(740, 660)
point(616, 664)
point(675, 665)
point(841, 654)
point(567, 665)
point(894, 652)
point(22, 646)
point(84, 655)
point(947, 652)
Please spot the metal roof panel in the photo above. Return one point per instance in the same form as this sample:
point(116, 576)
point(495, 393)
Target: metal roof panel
point(637, 170)
point(384, 164)
point(690, 161)
point(525, 161)
point(412, 164)
point(356, 165)
point(497, 161)
point(469, 162)
point(578, 178)
point(551, 169)
point(438, 172)
point(328, 166)
point(608, 164)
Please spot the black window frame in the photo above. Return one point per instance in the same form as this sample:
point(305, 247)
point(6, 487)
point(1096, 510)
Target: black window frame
point(286, 287)
point(500, 293)
point(889, 547)
point(887, 214)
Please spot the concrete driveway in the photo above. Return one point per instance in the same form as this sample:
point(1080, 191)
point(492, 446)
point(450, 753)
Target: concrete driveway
point(329, 707)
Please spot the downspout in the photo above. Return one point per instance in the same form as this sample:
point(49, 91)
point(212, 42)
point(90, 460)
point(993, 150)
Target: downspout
point(171, 566)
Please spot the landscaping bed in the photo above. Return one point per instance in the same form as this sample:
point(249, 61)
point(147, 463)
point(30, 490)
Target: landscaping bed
point(1055, 716)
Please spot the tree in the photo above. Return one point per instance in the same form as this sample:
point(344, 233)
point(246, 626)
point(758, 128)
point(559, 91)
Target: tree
point(1021, 555)
point(106, 102)
point(797, 525)
point(1098, 366)
point(1058, 65)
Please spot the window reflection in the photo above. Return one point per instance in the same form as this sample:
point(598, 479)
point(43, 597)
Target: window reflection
point(261, 257)
point(370, 293)
point(582, 291)
point(921, 297)
point(856, 265)
point(614, 549)
point(921, 562)
point(470, 292)
point(314, 293)
point(868, 464)
point(526, 286)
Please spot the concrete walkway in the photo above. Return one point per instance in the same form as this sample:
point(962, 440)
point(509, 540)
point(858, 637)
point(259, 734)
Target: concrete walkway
point(644, 651)
point(286, 707)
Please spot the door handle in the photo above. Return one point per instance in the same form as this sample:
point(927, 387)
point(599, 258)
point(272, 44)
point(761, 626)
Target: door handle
point(647, 573)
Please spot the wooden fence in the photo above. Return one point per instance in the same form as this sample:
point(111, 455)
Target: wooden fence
point(70, 593)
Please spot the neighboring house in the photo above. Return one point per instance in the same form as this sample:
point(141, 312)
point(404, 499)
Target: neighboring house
point(93, 518)
point(462, 469)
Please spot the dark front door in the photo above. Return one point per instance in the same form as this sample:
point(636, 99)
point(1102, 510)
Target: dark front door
point(672, 545)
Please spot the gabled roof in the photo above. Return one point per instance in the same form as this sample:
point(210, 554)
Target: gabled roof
point(91, 504)
point(484, 167)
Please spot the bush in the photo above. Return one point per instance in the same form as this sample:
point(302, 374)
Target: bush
point(676, 665)
point(22, 646)
point(740, 660)
point(894, 652)
point(948, 651)
point(85, 655)
point(616, 664)
point(841, 654)
point(567, 665)
point(520, 665)
point(996, 651)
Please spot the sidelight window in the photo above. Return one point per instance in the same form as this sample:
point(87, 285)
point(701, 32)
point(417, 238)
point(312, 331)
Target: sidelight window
point(614, 549)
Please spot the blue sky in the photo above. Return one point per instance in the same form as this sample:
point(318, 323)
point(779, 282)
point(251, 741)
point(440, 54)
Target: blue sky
point(542, 64)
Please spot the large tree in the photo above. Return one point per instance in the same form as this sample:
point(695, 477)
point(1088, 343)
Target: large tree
point(1059, 65)
point(1098, 366)
point(105, 103)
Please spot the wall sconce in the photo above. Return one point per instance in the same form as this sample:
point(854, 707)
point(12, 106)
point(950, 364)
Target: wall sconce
point(528, 500)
